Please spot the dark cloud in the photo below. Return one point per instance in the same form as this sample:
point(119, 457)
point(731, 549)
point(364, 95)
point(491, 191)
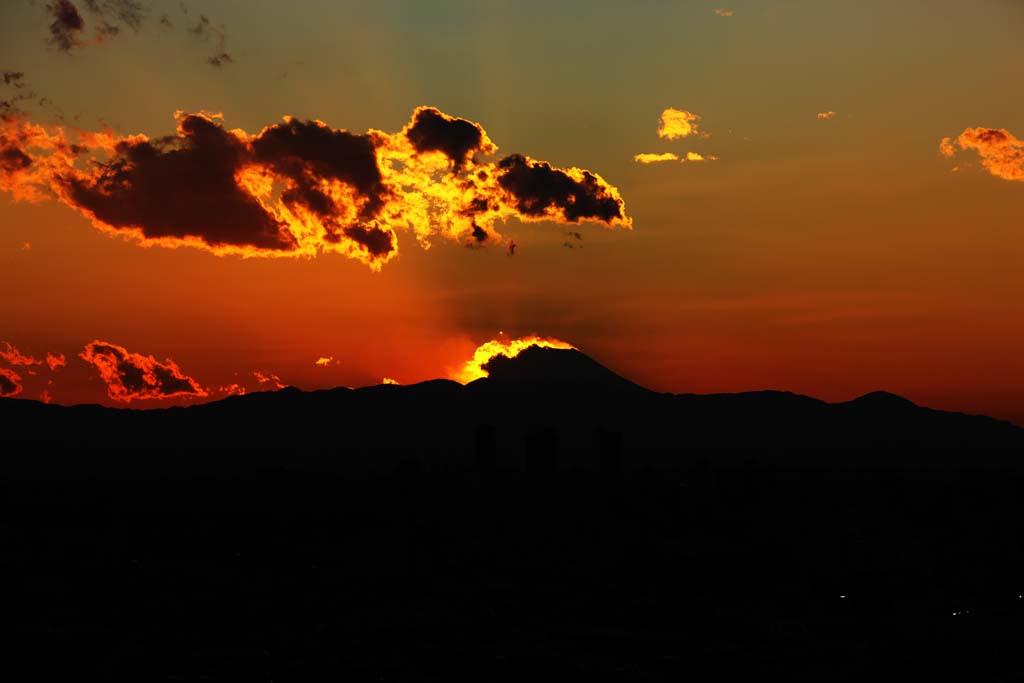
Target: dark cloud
point(108, 18)
point(207, 30)
point(130, 376)
point(10, 383)
point(308, 153)
point(128, 12)
point(220, 60)
point(68, 25)
point(458, 139)
point(13, 159)
point(180, 187)
point(540, 190)
point(13, 78)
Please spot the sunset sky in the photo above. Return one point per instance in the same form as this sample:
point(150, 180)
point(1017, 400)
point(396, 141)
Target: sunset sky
point(832, 200)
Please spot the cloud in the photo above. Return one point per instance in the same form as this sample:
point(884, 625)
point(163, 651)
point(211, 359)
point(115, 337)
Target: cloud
point(299, 188)
point(669, 156)
point(475, 367)
point(325, 361)
point(723, 12)
point(220, 59)
point(946, 147)
point(1002, 154)
point(12, 356)
point(273, 380)
point(107, 19)
point(825, 115)
point(651, 158)
point(694, 156)
point(388, 380)
point(10, 383)
point(206, 30)
point(678, 123)
point(233, 389)
point(56, 361)
point(45, 396)
point(131, 376)
point(68, 25)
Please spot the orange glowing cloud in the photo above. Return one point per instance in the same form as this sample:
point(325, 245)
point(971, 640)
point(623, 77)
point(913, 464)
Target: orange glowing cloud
point(678, 123)
point(388, 380)
point(651, 158)
point(669, 156)
point(56, 360)
point(473, 369)
point(723, 12)
point(10, 383)
point(1001, 153)
point(131, 376)
point(12, 356)
point(325, 361)
point(299, 188)
point(825, 115)
point(273, 380)
point(233, 389)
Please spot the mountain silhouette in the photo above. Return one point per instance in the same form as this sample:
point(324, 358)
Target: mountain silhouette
point(553, 516)
point(562, 393)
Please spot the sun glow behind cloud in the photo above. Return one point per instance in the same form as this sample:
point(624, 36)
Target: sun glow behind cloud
point(474, 367)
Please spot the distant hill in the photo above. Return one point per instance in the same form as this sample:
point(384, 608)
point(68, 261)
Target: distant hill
point(561, 393)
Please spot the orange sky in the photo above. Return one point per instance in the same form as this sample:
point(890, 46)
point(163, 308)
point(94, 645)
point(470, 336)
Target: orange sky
point(827, 255)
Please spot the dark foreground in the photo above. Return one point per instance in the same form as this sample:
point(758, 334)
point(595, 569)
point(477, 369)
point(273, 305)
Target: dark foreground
point(744, 572)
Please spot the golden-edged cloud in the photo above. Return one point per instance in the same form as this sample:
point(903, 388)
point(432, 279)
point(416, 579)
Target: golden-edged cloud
point(723, 12)
point(1002, 154)
point(299, 188)
point(826, 115)
point(130, 376)
point(679, 123)
point(474, 368)
point(649, 158)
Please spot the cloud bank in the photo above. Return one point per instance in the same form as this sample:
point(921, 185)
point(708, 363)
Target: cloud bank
point(299, 188)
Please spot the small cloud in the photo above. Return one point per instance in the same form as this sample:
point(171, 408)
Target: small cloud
point(388, 380)
point(233, 389)
point(678, 123)
point(324, 361)
point(694, 156)
point(45, 396)
point(669, 156)
point(946, 148)
point(273, 380)
point(219, 60)
point(56, 360)
point(651, 158)
point(825, 115)
point(723, 12)
point(66, 29)
point(10, 383)
point(11, 354)
point(26, 246)
point(1002, 154)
